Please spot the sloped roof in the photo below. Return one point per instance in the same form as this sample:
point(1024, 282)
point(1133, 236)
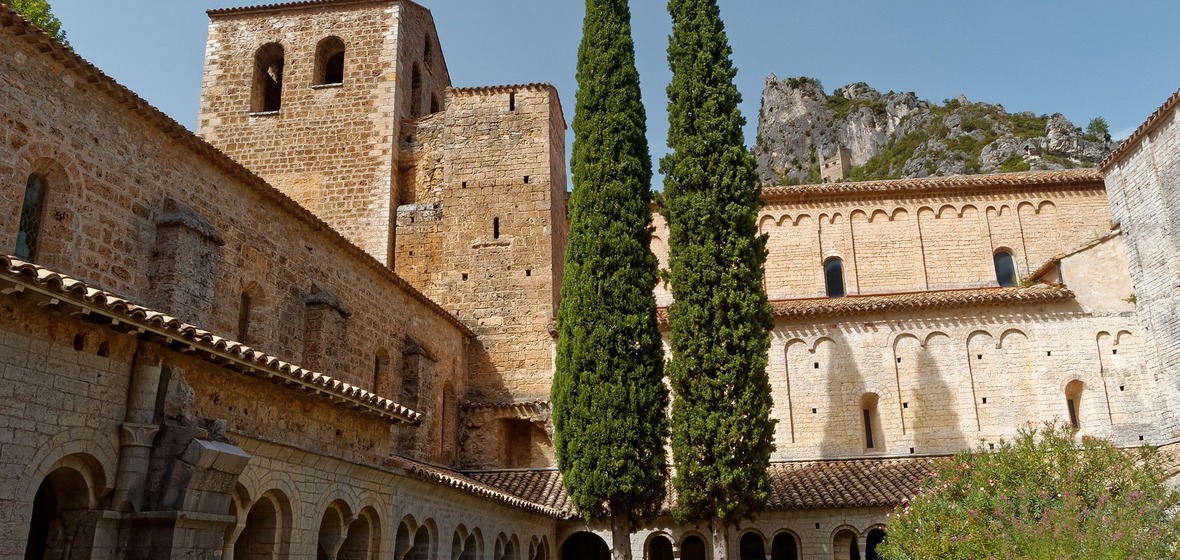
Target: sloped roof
point(290, 6)
point(1072, 178)
point(18, 277)
point(1144, 129)
point(794, 485)
point(911, 301)
point(459, 481)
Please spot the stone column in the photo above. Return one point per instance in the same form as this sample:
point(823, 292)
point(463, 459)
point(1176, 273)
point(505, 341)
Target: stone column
point(137, 434)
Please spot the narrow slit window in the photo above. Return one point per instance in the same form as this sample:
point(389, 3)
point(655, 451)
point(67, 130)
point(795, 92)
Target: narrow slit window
point(1005, 269)
point(868, 416)
point(511, 101)
point(416, 93)
point(495, 228)
point(1073, 402)
point(244, 318)
point(267, 95)
point(834, 278)
point(435, 104)
point(329, 62)
point(31, 213)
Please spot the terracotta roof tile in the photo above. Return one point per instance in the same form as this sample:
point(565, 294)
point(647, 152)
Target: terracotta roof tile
point(1073, 178)
point(914, 301)
point(1145, 128)
point(288, 6)
point(154, 118)
point(846, 483)
point(796, 485)
point(20, 277)
point(540, 503)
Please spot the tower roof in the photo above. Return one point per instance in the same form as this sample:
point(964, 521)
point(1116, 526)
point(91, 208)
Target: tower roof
point(296, 6)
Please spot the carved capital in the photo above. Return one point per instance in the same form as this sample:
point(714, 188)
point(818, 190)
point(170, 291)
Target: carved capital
point(137, 435)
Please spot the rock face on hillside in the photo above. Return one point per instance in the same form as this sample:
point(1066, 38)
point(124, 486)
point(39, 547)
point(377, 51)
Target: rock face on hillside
point(896, 135)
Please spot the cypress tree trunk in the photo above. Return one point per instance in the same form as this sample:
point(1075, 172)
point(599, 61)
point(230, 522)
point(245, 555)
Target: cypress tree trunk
point(609, 399)
point(722, 434)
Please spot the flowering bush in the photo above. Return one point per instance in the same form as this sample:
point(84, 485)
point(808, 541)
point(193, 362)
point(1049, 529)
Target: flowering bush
point(1044, 495)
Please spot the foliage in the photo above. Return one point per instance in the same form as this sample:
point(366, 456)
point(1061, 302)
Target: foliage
point(1098, 127)
point(796, 83)
point(844, 106)
point(39, 14)
point(609, 398)
point(1043, 496)
point(722, 435)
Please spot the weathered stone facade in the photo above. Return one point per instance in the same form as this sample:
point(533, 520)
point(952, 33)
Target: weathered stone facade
point(324, 328)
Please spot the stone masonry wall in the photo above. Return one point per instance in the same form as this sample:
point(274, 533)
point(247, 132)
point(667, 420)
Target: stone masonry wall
point(330, 147)
point(1141, 183)
point(110, 173)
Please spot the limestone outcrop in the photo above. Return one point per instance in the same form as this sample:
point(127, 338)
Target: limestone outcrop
point(897, 135)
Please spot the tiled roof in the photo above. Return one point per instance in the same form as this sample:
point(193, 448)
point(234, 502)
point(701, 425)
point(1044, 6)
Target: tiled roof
point(478, 487)
point(1074, 178)
point(154, 118)
point(538, 486)
point(914, 301)
point(18, 277)
point(1145, 128)
point(799, 485)
point(846, 483)
point(287, 6)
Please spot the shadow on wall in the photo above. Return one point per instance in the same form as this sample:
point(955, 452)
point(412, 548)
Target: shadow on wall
point(843, 386)
point(935, 388)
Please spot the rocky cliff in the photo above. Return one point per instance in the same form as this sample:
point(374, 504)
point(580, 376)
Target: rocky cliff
point(896, 135)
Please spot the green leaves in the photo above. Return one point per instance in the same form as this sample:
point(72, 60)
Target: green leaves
point(722, 435)
point(609, 400)
point(38, 12)
point(1047, 494)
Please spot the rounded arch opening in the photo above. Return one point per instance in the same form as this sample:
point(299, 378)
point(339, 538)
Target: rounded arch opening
point(874, 539)
point(785, 546)
point(1073, 402)
point(752, 547)
point(845, 545)
point(834, 277)
point(660, 548)
point(60, 511)
point(1005, 264)
point(267, 530)
point(329, 62)
point(693, 548)
point(267, 93)
point(585, 546)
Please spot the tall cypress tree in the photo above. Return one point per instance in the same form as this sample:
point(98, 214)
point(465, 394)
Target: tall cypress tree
point(609, 400)
point(722, 434)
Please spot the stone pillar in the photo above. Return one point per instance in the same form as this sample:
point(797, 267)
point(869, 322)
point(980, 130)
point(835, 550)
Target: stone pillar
point(137, 434)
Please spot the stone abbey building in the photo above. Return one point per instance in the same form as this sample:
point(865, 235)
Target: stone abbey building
point(322, 327)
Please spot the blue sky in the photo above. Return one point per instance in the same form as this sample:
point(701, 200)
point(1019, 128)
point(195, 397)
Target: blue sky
point(1082, 58)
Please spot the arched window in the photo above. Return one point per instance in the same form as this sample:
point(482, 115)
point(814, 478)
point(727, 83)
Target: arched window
point(585, 546)
point(751, 547)
point(60, 521)
point(428, 52)
point(416, 93)
point(31, 212)
point(435, 103)
point(1005, 268)
point(1073, 401)
point(693, 548)
point(844, 546)
point(267, 95)
point(329, 62)
point(834, 277)
point(659, 548)
point(783, 547)
point(874, 539)
point(872, 424)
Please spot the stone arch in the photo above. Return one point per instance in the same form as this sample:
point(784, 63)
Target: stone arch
point(54, 224)
point(250, 305)
point(267, 531)
point(90, 452)
point(363, 539)
point(465, 545)
point(63, 519)
point(267, 93)
point(329, 61)
point(694, 546)
point(584, 545)
point(764, 220)
point(416, 542)
point(333, 526)
point(752, 545)
point(873, 538)
point(784, 545)
point(845, 544)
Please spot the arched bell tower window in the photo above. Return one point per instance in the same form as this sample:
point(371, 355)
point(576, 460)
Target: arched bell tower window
point(31, 212)
point(834, 277)
point(267, 95)
point(1073, 401)
point(329, 62)
point(1005, 268)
